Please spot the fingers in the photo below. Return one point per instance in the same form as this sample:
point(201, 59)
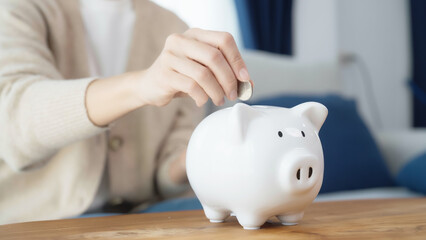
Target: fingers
point(200, 74)
point(182, 83)
point(226, 44)
point(210, 57)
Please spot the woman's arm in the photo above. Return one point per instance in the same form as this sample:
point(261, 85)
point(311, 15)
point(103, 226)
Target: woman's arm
point(198, 63)
point(40, 113)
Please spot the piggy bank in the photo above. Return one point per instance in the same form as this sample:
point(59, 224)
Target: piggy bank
point(257, 162)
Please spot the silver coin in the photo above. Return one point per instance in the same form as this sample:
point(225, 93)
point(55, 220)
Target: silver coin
point(245, 90)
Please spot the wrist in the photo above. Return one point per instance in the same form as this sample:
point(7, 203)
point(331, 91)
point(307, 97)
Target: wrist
point(108, 99)
point(133, 89)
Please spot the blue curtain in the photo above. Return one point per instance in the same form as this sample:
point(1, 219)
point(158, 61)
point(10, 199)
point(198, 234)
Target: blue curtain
point(418, 40)
point(266, 24)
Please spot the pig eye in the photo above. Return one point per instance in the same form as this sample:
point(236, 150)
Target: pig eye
point(280, 134)
point(303, 134)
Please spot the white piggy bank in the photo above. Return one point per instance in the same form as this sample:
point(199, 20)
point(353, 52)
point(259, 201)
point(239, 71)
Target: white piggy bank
point(257, 162)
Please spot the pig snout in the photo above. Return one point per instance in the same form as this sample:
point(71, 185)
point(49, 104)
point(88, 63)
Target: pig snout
point(300, 171)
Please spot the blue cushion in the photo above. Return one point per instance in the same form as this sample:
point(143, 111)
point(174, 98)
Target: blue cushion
point(351, 157)
point(179, 204)
point(90, 215)
point(413, 174)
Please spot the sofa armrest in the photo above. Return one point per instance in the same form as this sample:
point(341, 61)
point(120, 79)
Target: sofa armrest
point(400, 146)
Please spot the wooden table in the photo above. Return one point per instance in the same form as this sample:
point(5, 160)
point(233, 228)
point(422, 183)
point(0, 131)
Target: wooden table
point(365, 219)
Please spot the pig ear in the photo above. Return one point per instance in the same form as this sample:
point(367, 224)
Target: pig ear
point(239, 120)
point(315, 112)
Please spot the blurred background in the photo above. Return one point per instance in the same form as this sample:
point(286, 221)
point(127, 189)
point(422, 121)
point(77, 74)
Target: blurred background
point(365, 60)
point(329, 34)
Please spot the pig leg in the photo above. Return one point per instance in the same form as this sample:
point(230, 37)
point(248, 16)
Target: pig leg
point(215, 215)
point(250, 221)
point(290, 219)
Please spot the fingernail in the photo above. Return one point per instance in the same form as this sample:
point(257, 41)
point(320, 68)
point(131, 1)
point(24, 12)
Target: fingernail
point(244, 75)
point(252, 83)
point(233, 95)
point(222, 102)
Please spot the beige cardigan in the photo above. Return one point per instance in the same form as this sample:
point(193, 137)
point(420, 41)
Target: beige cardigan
point(51, 155)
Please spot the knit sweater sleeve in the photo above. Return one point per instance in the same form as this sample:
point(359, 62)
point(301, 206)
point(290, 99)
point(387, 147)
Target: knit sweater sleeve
point(39, 111)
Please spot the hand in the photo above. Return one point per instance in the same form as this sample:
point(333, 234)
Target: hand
point(199, 63)
point(202, 64)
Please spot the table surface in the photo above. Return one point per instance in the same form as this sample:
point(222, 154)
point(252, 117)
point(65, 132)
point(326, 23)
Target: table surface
point(362, 219)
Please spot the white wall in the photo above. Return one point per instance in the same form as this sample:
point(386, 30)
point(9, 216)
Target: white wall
point(219, 15)
point(378, 32)
point(315, 30)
